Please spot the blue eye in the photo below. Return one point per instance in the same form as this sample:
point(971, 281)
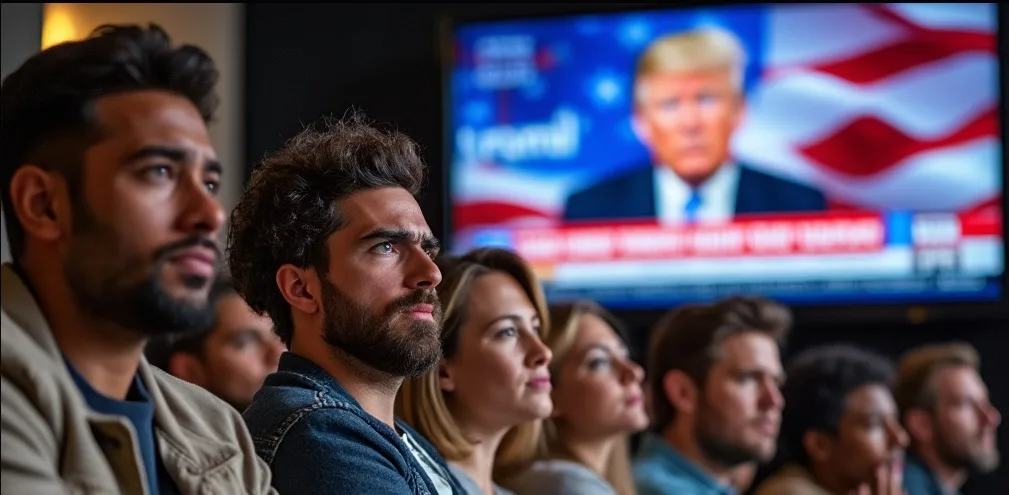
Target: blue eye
point(159, 171)
point(507, 332)
point(383, 248)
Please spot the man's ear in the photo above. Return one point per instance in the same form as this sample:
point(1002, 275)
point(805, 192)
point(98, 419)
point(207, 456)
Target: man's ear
point(186, 366)
point(681, 392)
point(918, 424)
point(819, 446)
point(301, 287)
point(39, 199)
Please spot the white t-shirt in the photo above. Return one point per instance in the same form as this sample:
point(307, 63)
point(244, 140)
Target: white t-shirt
point(433, 471)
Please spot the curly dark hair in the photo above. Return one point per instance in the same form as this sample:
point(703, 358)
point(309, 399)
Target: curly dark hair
point(47, 104)
point(817, 388)
point(290, 206)
point(689, 339)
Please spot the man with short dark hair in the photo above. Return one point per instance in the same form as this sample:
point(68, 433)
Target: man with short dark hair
point(110, 198)
point(231, 358)
point(715, 372)
point(840, 432)
point(945, 408)
point(329, 241)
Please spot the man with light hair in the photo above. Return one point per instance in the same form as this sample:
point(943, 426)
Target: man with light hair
point(688, 102)
point(945, 409)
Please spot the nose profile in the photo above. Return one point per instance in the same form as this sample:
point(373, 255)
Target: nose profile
point(539, 354)
point(201, 210)
point(633, 372)
point(771, 397)
point(992, 415)
point(898, 435)
point(424, 273)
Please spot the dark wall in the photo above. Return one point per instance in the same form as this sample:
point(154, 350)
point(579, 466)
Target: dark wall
point(306, 61)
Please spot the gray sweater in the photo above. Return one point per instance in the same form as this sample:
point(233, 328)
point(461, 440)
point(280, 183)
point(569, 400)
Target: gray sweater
point(469, 486)
point(559, 477)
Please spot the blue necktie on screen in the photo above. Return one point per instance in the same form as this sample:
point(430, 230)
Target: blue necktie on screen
point(692, 206)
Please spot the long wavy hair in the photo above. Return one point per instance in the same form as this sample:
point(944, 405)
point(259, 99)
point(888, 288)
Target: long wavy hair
point(421, 401)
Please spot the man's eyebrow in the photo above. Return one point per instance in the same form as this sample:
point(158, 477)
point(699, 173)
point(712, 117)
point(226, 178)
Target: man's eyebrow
point(174, 154)
point(169, 152)
point(426, 241)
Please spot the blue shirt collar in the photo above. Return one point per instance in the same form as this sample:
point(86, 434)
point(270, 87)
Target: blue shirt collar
point(919, 478)
point(654, 446)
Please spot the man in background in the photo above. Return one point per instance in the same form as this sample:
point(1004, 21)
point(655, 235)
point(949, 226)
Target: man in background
point(715, 373)
point(945, 408)
point(688, 102)
point(231, 358)
point(840, 429)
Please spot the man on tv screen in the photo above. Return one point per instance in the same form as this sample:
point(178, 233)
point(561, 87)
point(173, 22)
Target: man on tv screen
point(688, 101)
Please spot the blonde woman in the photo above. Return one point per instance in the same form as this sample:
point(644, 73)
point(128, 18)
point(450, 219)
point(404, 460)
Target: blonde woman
point(598, 403)
point(482, 405)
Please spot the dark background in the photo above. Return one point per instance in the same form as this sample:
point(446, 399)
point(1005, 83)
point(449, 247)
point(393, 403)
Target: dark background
point(305, 61)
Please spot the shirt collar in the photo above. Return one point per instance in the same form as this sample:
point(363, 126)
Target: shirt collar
point(718, 192)
point(675, 463)
point(917, 472)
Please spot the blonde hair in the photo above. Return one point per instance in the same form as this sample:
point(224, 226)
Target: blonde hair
point(692, 51)
point(421, 401)
point(913, 388)
point(564, 322)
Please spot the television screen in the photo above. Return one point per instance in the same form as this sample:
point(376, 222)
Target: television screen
point(817, 154)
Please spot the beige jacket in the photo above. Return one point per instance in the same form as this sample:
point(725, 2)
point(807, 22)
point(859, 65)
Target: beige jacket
point(51, 438)
point(792, 479)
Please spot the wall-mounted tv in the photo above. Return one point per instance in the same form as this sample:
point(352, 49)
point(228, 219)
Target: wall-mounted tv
point(819, 154)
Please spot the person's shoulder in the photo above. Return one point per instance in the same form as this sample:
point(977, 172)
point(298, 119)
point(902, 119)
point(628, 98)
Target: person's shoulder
point(18, 347)
point(617, 196)
point(790, 480)
point(37, 375)
point(331, 424)
point(754, 174)
point(334, 450)
point(651, 477)
point(636, 176)
point(560, 478)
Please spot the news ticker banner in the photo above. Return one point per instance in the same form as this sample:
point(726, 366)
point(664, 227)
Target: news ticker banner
point(791, 235)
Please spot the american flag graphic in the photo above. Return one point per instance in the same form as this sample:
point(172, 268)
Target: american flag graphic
point(890, 106)
point(881, 106)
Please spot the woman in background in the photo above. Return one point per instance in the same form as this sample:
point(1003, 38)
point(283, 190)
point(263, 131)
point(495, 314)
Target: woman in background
point(483, 404)
point(598, 403)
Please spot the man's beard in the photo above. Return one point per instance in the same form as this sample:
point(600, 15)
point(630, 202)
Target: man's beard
point(719, 446)
point(111, 283)
point(976, 462)
point(375, 341)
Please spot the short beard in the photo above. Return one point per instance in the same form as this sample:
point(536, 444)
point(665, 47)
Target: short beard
point(102, 275)
point(352, 329)
point(719, 447)
point(973, 462)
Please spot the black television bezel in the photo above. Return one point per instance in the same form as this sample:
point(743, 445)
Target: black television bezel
point(817, 315)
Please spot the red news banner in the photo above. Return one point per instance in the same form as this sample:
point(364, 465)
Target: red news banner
point(840, 233)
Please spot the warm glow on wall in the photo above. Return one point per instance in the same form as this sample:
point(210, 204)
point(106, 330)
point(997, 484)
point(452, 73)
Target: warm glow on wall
point(59, 24)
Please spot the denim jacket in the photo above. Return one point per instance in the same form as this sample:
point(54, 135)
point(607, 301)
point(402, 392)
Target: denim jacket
point(317, 439)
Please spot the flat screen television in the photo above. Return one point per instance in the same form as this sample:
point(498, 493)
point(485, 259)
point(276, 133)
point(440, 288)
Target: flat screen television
point(819, 154)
